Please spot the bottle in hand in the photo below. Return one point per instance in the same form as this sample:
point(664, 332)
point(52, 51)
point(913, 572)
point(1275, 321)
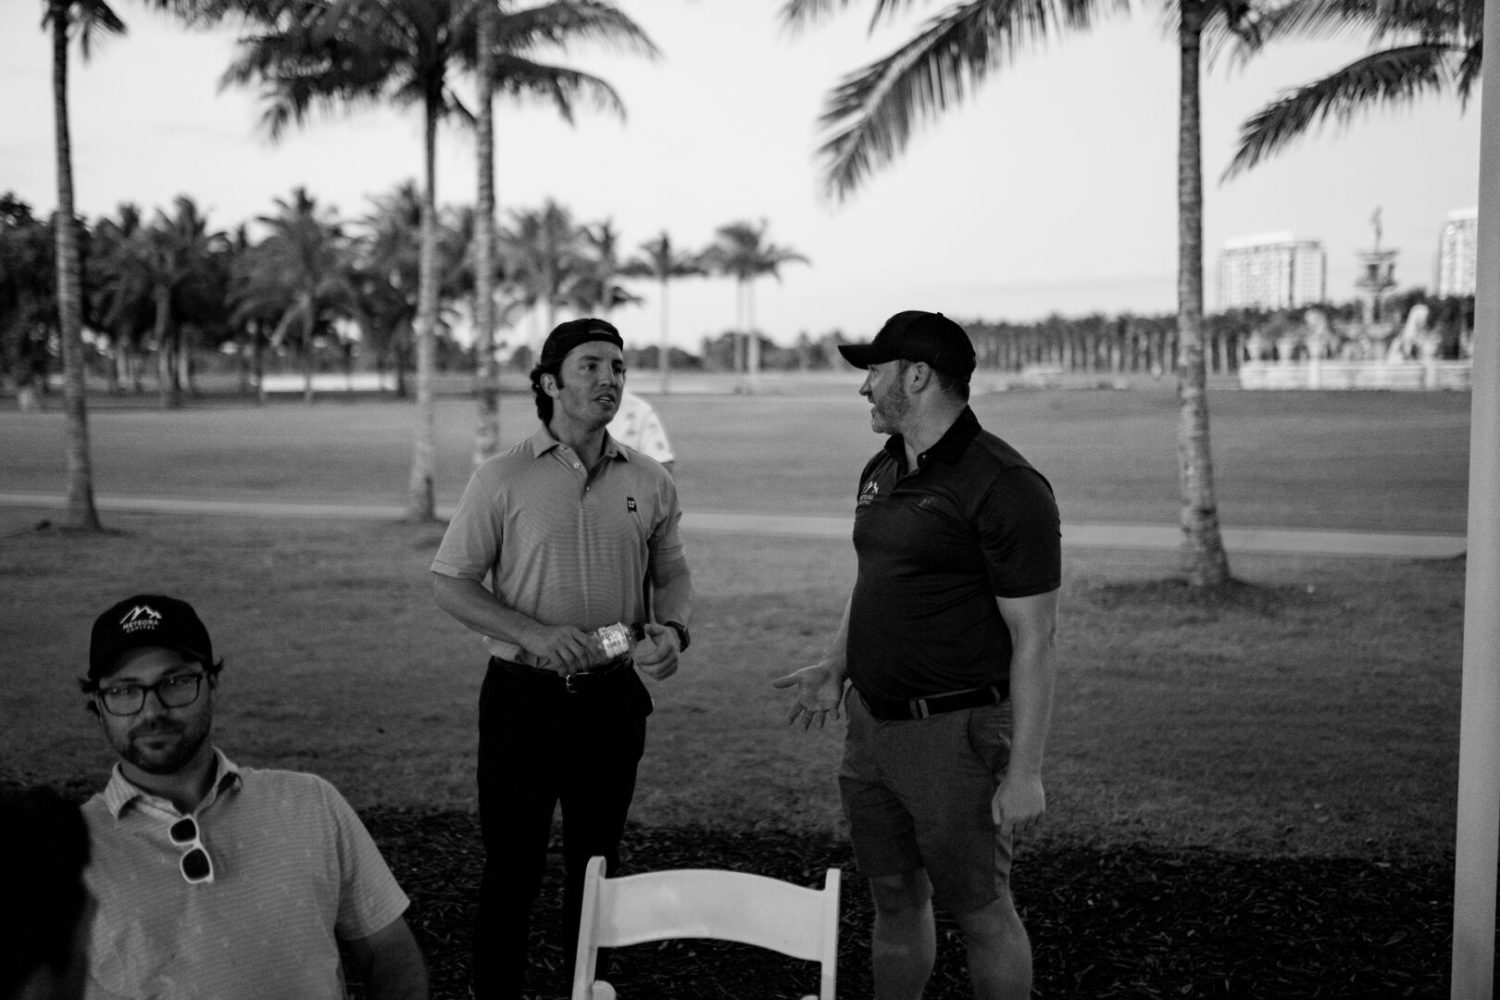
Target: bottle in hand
point(614, 641)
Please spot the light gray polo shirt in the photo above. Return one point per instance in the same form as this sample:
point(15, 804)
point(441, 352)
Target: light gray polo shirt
point(295, 872)
point(561, 546)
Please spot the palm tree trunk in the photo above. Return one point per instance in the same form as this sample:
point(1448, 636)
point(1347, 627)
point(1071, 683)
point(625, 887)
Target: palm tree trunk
point(752, 345)
point(164, 371)
point(308, 308)
point(487, 388)
point(421, 504)
point(80, 511)
point(665, 360)
point(1202, 555)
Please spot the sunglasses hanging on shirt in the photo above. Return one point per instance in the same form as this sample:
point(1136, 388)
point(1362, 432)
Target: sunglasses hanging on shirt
point(195, 864)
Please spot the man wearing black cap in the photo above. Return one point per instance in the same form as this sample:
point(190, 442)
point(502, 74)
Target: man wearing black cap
point(948, 643)
point(568, 526)
point(215, 880)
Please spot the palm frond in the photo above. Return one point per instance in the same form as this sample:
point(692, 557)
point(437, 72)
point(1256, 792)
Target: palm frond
point(558, 24)
point(517, 76)
point(798, 14)
point(1383, 21)
point(1393, 76)
point(90, 21)
point(871, 114)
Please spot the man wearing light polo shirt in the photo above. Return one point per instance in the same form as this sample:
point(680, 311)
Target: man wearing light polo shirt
point(569, 528)
point(215, 880)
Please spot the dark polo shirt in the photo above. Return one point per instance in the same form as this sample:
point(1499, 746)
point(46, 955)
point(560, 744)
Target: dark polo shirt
point(973, 522)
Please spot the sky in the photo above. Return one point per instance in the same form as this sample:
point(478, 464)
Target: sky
point(1052, 189)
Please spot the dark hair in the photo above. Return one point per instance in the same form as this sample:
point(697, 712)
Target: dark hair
point(44, 847)
point(544, 401)
point(952, 385)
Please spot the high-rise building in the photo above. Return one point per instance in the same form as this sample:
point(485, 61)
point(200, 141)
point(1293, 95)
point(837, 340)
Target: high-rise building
point(1458, 253)
point(1272, 271)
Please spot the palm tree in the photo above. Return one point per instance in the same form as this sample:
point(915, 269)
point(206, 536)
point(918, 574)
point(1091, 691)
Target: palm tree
point(388, 266)
point(28, 294)
point(327, 53)
point(174, 251)
point(544, 248)
point(741, 249)
point(301, 270)
point(1422, 47)
point(870, 117)
point(594, 289)
point(660, 260)
point(505, 41)
point(120, 285)
point(486, 373)
point(89, 20)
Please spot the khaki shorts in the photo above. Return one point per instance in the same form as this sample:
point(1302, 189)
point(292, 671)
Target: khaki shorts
point(917, 795)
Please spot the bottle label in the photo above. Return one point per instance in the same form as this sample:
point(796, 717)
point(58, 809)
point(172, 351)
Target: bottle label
point(615, 639)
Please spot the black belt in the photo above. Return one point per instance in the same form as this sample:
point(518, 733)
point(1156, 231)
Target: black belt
point(895, 709)
point(574, 683)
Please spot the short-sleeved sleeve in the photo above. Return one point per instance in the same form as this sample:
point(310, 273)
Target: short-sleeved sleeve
point(1021, 534)
point(369, 897)
point(472, 542)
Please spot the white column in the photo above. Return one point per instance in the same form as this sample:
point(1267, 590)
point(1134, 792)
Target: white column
point(1479, 728)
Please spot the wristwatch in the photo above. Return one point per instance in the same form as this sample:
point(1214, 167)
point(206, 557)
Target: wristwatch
point(683, 637)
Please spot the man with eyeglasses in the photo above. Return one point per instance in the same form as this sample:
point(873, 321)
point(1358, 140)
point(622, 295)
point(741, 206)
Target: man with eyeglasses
point(215, 880)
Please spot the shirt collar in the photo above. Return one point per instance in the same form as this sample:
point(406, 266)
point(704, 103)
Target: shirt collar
point(948, 448)
point(542, 442)
point(122, 792)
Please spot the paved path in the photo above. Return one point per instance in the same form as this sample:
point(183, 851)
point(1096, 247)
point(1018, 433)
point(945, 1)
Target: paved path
point(1085, 536)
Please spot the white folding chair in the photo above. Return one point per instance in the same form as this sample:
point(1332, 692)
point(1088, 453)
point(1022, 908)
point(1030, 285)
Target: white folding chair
point(705, 903)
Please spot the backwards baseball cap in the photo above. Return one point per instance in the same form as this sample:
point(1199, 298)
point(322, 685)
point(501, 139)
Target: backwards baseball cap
point(915, 335)
point(566, 336)
point(146, 620)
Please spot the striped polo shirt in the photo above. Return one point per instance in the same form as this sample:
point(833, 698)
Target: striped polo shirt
point(295, 872)
point(561, 546)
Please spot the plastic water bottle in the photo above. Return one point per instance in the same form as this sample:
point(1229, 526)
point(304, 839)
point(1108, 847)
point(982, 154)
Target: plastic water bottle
point(616, 640)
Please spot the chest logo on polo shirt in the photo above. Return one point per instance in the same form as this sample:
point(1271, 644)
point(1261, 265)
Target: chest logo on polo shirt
point(867, 493)
point(630, 504)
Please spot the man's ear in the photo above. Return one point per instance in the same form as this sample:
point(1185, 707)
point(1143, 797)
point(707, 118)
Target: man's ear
point(549, 384)
point(918, 374)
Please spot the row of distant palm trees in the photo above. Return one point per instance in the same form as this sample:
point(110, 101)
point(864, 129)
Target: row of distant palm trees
point(164, 284)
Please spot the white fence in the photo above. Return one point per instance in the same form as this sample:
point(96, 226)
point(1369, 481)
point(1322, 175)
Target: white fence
point(1333, 374)
point(332, 382)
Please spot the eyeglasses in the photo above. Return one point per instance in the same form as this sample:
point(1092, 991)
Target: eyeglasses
point(177, 691)
point(195, 864)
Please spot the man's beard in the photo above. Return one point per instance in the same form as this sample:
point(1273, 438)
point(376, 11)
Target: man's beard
point(168, 761)
point(893, 408)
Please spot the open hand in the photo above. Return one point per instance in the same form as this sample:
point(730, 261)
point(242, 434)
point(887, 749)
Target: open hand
point(820, 692)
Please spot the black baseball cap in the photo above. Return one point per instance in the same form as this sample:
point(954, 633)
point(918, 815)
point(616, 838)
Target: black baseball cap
point(915, 335)
point(147, 620)
point(566, 336)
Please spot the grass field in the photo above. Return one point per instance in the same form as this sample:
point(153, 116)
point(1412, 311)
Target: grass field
point(1303, 722)
point(1369, 461)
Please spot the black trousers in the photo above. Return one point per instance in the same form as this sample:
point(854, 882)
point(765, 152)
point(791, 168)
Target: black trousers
point(540, 745)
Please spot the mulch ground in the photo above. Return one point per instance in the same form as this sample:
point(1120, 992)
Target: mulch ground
point(1128, 922)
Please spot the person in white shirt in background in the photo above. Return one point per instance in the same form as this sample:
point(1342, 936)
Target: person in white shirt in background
point(637, 426)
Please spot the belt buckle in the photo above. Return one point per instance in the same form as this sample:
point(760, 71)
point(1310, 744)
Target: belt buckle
point(569, 683)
